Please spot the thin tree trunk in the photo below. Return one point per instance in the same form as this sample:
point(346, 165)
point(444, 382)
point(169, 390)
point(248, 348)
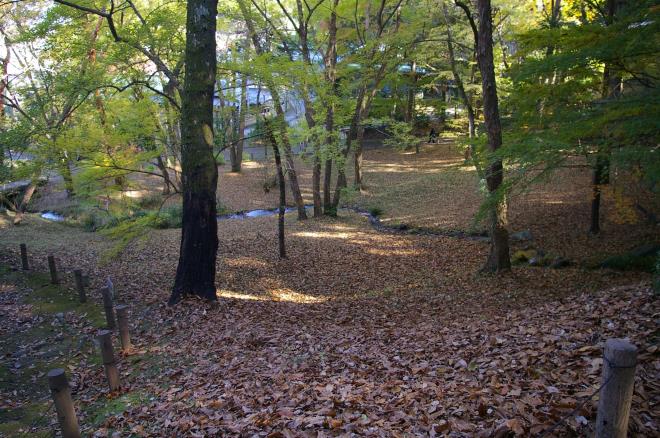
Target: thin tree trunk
point(22, 206)
point(282, 187)
point(498, 259)
point(469, 153)
point(237, 165)
point(195, 273)
point(611, 89)
point(281, 117)
point(167, 183)
point(4, 80)
point(330, 61)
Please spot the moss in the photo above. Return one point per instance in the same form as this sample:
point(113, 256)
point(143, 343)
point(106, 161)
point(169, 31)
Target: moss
point(98, 412)
point(48, 298)
point(26, 421)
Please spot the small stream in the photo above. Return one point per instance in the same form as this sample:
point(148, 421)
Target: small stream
point(374, 221)
point(52, 216)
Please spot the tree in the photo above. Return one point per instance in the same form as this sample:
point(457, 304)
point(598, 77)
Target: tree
point(498, 258)
point(195, 274)
point(591, 102)
point(279, 110)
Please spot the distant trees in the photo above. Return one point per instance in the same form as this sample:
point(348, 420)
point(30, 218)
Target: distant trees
point(589, 91)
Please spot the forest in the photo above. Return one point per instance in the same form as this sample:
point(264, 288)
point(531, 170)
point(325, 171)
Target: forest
point(317, 218)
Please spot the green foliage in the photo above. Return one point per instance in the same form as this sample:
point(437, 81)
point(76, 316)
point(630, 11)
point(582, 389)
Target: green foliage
point(560, 106)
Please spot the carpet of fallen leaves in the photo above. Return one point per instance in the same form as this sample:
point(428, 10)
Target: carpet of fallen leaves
point(357, 333)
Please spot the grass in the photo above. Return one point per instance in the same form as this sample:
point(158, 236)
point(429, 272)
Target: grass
point(42, 344)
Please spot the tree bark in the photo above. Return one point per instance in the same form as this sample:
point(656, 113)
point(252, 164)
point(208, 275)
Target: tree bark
point(457, 77)
point(282, 186)
point(611, 89)
point(281, 117)
point(330, 62)
point(238, 163)
point(498, 259)
point(195, 273)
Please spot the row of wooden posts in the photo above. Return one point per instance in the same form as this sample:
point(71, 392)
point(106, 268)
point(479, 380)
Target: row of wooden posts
point(618, 376)
point(116, 318)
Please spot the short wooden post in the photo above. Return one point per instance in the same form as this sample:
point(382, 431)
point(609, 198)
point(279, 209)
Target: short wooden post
point(620, 360)
point(61, 392)
point(122, 322)
point(80, 285)
point(53, 270)
point(24, 257)
point(109, 309)
point(108, 355)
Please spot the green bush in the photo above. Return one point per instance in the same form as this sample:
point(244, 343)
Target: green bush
point(630, 262)
point(220, 159)
point(375, 211)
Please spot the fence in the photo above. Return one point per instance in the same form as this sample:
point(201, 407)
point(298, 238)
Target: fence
point(616, 389)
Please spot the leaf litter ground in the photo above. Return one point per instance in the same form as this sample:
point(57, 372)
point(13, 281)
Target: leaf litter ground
point(357, 333)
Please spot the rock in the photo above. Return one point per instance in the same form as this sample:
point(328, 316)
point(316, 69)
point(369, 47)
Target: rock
point(522, 236)
point(60, 316)
point(559, 263)
point(524, 256)
point(539, 260)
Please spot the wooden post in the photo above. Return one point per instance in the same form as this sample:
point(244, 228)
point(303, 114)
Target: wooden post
point(80, 285)
point(122, 322)
point(24, 257)
point(108, 355)
point(66, 414)
point(109, 309)
point(619, 361)
point(53, 270)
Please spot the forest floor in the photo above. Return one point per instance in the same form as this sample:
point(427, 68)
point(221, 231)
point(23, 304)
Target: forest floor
point(358, 332)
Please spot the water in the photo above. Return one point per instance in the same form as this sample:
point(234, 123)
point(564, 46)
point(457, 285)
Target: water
point(52, 216)
point(258, 213)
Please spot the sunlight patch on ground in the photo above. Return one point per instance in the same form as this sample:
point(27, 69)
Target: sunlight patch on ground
point(135, 194)
point(394, 252)
point(325, 235)
point(294, 297)
point(239, 296)
point(285, 295)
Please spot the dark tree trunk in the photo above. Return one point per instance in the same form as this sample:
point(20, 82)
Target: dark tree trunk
point(281, 117)
point(282, 186)
point(469, 152)
point(195, 273)
point(611, 89)
point(238, 162)
point(65, 170)
point(498, 259)
point(167, 183)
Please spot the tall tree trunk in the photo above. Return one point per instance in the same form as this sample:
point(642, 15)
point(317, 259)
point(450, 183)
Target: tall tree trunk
point(238, 163)
point(412, 87)
point(4, 80)
point(195, 273)
point(330, 62)
point(281, 117)
point(470, 151)
point(282, 186)
point(611, 89)
point(498, 259)
point(167, 182)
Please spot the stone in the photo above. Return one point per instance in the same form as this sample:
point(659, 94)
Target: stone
point(559, 263)
point(522, 236)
